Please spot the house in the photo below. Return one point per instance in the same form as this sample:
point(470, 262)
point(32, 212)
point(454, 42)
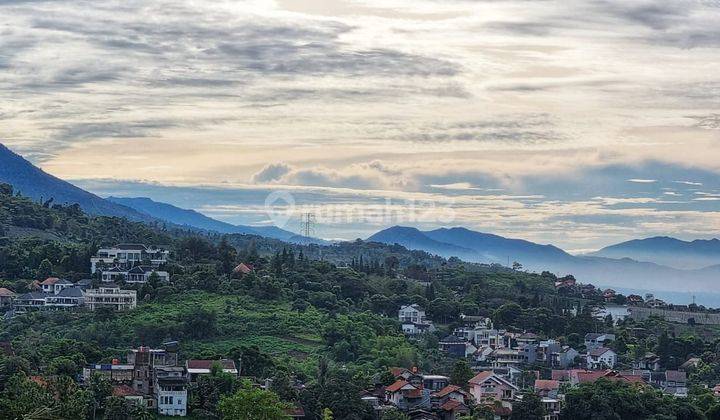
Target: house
point(635, 299)
point(650, 361)
point(527, 338)
point(482, 354)
point(116, 373)
point(411, 313)
point(506, 357)
point(84, 284)
point(601, 358)
point(578, 377)
point(170, 386)
point(195, 368)
point(127, 256)
point(128, 394)
point(552, 408)
point(547, 388)
point(435, 382)
point(487, 386)
point(672, 382)
point(450, 392)
point(716, 390)
point(413, 320)
point(6, 296)
point(109, 295)
point(137, 274)
point(564, 358)
point(243, 269)
point(66, 298)
point(609, 294)
point(690, 364)
point(595, 340)
point(406, 396)
point(567, 281)
point(452, 409)
point(456, 347)
point(32, 301)
point(545, 351)
point(54, 285)
point(412, 328)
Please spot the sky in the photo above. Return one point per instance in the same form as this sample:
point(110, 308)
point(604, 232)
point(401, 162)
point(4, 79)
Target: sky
point(577, 123)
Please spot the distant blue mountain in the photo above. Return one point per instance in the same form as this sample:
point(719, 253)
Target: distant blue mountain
point(412, 238)
point(614, 272)
point(667, 251)
point(473, 246)
point(34, 183)
point(185, 217)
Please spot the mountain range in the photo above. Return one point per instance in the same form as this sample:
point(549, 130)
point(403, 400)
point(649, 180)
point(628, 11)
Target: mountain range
point(620, 272)
point(659, 263)
point(35, 183)
point(667, 251)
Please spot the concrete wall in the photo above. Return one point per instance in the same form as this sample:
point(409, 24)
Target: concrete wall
point(641, 314)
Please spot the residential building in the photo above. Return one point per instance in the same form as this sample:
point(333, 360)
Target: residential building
point(411, 313)
point(564, 358)
point(128, 256)
point(33, 301)
point(116, 373)
point(414, 321)
point(406, 396)
point(601, 358)
point(195, 368)
point(6, 296)
point(110, 295)
point(170, 386)
point(578, 376)
point(457, 347)
point(54, 285)
point(547, 388)
point(506, 357)
point(487, 386)
point(66, 298)
point(137, 274)
point(650, 361)
point(595, 340)
point(435, 382)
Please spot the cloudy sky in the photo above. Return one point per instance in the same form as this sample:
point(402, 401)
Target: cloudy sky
point(578, 123)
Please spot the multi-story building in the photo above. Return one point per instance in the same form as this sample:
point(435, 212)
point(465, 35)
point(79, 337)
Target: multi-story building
point(171, 390)
point(413, 320)
point(64, 297)
point(110, 295)
point(137, 274)
point(128, 256)
point(601, 358)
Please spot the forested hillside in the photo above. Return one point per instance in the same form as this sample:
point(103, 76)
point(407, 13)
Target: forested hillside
point(321, 321)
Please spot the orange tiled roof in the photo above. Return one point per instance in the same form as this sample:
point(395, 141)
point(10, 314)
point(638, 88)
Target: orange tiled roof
point(396, 386)
point(481, 377)
point(547, 384)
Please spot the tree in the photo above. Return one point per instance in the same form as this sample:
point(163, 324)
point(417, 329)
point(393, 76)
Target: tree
point(530, 408)
point(116, 409)
point(45, 269)
point(252, 403)
point(461, 373)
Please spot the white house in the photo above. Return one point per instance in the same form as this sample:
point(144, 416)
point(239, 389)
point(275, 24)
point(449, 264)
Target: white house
point(601, 358)
point(413, 320)
point(595, 340)
point(128, 255)
point(110, 295)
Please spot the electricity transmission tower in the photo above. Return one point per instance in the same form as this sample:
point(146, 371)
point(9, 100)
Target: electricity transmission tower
point(308, 224)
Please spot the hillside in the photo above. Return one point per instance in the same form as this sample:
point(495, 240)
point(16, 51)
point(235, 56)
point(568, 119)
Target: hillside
point(192, 218)
point(602, 271)
point(34, 183)
point(667, 251)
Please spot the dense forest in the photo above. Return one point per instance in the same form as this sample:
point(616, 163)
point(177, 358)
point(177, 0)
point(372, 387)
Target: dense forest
point(320, 321)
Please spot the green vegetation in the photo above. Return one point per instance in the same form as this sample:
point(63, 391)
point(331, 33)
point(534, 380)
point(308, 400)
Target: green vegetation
point(330, 324)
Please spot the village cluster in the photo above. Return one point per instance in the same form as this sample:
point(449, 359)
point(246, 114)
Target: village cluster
point(503, 360)
point(124, 263)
